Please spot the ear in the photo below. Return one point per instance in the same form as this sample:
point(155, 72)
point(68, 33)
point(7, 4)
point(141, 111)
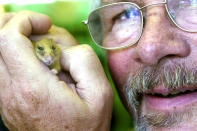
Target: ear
point(33, 43)
point(61, 47)
point(50, 40)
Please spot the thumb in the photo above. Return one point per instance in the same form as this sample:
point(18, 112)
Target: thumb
point(86, 70)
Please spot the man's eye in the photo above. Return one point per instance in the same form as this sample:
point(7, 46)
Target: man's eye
point(40, 48)
point(128, 14)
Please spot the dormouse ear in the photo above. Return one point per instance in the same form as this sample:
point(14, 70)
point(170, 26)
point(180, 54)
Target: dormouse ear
point(62, 47)
point(51, 40)
point(33, 43)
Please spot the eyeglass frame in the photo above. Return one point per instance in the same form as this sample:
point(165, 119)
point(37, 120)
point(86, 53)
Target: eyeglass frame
point(86, 22)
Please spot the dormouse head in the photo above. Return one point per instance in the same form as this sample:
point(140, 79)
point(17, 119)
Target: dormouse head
point(47, 51)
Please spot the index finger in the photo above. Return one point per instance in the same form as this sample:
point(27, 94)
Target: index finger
point(59, 35)
point(16, 48)
point(86, 70)
point(27, 22)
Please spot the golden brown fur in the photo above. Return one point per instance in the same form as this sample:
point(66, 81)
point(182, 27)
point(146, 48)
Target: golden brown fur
point(49, 53)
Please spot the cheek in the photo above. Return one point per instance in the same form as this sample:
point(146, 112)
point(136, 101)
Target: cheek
point(41, 57)
point(41, 53)
point(118, 66)
point(121, 63)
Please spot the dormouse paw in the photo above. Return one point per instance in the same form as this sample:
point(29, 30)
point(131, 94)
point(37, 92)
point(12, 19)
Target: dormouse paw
point(54, 71)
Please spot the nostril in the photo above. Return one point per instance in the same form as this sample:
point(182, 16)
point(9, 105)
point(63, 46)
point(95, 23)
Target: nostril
point(138, 60)
point(49, 58)
point(171, 55)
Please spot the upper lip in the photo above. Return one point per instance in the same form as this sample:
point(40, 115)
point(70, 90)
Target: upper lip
point(166, 91)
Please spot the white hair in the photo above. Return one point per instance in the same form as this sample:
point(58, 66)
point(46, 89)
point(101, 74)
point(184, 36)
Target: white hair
point(95, 3)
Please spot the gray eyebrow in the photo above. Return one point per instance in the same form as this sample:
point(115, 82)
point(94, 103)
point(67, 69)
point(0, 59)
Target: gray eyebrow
point(139, 2)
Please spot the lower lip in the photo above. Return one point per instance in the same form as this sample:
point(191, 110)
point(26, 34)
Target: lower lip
point(168, 104)
point(48, 63)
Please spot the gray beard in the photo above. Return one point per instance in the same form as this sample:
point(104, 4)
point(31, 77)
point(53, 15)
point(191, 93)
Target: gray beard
point(173, 77)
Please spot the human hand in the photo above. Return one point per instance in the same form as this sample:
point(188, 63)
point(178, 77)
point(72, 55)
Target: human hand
point(32, 97)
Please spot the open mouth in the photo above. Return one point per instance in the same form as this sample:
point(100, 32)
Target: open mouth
point(172, 100)
point(48, 63)
point(174, 94)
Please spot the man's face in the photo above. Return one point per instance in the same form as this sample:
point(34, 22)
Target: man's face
point(156, 78)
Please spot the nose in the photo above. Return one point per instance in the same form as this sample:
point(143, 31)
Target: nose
point(49, 58)
point(160, 38)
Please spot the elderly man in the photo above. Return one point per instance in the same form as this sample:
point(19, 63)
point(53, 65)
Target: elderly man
point(151, 50)
point(151, 53)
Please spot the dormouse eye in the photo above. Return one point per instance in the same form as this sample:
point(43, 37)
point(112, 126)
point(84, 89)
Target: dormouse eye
point(53, 47)
point(40, 48)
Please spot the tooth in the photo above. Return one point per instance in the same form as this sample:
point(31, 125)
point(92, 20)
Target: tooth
point(174, 92)
point(165, 94)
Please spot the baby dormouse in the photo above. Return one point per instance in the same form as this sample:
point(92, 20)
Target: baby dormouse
point(49, 53)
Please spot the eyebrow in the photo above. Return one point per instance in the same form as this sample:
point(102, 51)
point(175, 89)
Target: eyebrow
point(138, 2)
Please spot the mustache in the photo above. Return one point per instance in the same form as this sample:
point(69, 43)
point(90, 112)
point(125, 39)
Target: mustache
point(172, 76)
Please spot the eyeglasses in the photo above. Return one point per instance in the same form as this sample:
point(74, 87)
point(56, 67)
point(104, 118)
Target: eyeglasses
point(120, 25)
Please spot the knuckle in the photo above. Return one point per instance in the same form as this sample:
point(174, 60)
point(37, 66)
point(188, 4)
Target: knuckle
point(4, 16)
point(81, 51)
point(85, 49)
point(25, 12)
point(24, 15)
point(107, 94)
point(29, 14)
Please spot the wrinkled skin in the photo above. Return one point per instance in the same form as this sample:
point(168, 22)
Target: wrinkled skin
point(32, 97)
point(161, 42)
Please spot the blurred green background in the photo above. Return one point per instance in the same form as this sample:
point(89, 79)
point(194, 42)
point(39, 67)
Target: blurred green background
point(70, 14)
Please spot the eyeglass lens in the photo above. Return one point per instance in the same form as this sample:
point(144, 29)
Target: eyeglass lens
point(184, 13)
point(120, 25)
